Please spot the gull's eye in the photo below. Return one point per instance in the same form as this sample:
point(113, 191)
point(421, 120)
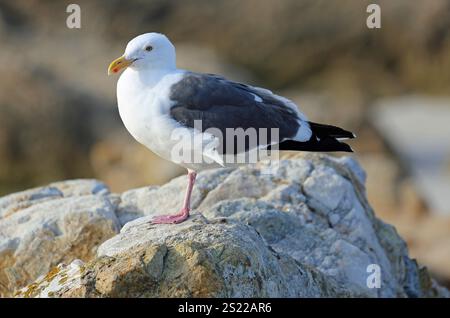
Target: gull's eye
point(148, 48)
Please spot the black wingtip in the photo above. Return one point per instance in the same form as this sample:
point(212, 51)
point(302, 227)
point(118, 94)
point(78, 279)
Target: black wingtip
point(323, 131)
point(345, 147)
point(324, 145)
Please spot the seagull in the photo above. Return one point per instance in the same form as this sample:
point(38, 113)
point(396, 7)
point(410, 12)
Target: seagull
point(187, 117)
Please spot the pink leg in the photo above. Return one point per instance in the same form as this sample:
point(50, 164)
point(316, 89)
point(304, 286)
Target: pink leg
point(184, 213)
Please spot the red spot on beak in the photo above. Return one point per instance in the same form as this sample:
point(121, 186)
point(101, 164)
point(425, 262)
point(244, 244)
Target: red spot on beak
point(115, 70)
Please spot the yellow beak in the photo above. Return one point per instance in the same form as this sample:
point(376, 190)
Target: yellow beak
point(118, 64)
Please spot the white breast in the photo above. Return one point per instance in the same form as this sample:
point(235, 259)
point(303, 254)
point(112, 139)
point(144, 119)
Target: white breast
point(144, 107)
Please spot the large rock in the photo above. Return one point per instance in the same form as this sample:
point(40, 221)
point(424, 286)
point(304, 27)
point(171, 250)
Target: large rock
point(198, 258)
point(306, 230)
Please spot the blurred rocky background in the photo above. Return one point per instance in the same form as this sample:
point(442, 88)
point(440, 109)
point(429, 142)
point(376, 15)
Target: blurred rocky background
point(58, 115)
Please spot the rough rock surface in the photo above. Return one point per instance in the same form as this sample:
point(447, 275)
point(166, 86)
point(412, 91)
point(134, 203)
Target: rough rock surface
point(39, 228)
point(306, 230)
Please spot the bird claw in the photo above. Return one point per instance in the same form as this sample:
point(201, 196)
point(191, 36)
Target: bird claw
point(170, 219)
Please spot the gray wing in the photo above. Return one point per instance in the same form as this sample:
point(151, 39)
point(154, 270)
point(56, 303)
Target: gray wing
point(222, 104)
